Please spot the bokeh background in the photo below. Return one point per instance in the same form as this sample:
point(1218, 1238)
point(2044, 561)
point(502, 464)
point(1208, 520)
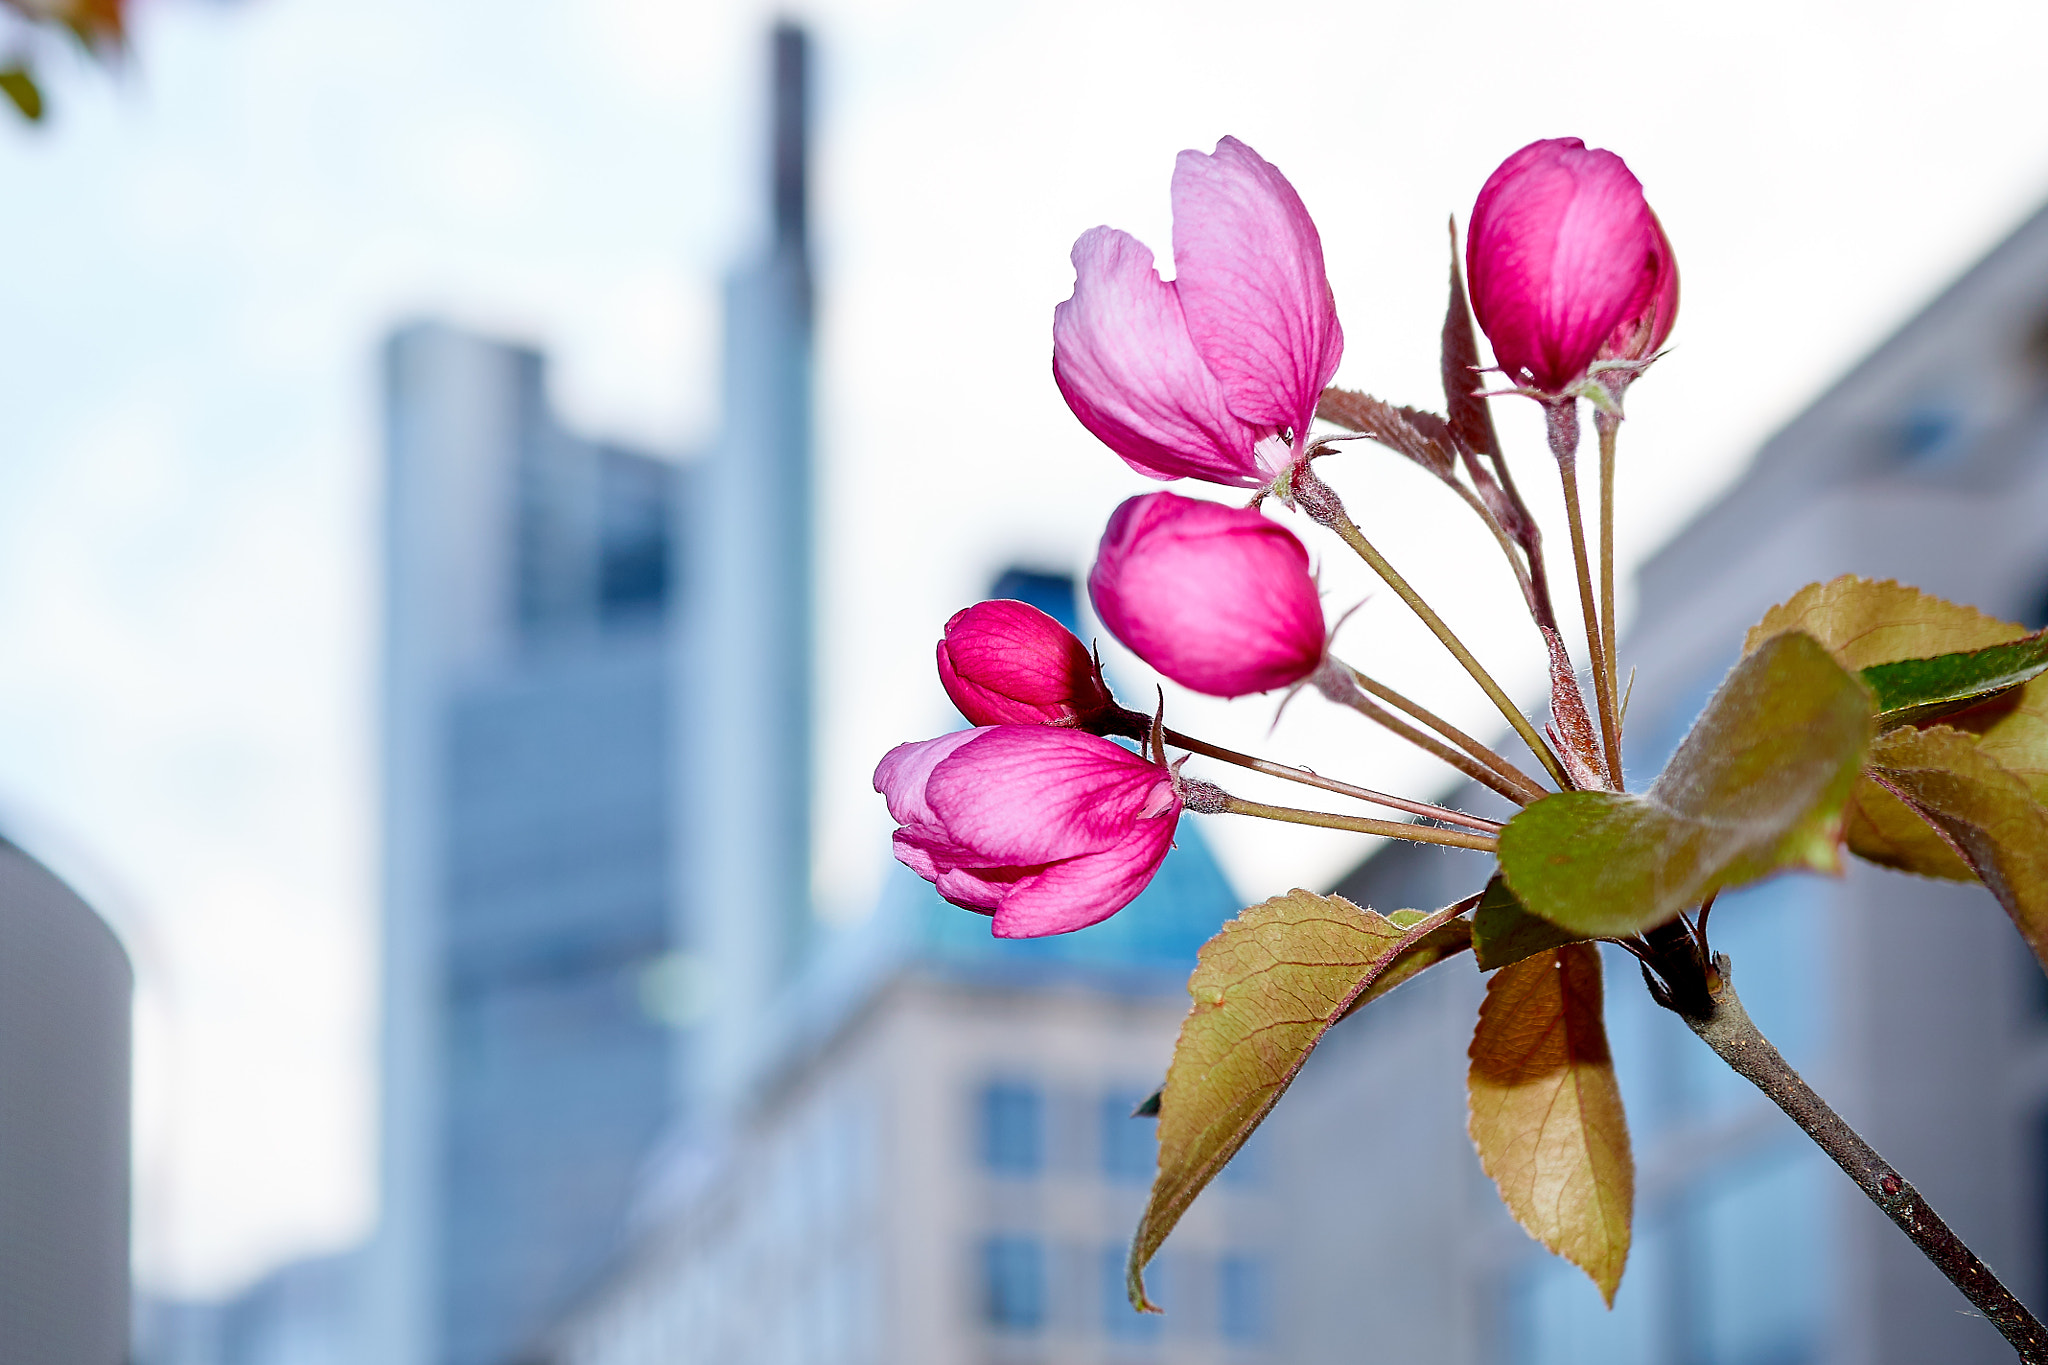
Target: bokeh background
point(204, 247)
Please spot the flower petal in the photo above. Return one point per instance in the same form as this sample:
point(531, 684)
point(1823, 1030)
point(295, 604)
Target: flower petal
point(1248, 264)
point(905, 770)
point(1023, 795)
point(1081, 891)
point(1123, 360)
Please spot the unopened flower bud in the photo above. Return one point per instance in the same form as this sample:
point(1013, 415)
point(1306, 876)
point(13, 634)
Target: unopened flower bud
point(1045, 829)
point(1568, 264)
point(1217, 598)
point(1008, 663)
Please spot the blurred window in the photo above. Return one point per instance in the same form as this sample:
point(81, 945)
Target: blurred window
point(1243, 1300)
point(1013, 1283)
point(1012, 1123)
point(1129, 1146)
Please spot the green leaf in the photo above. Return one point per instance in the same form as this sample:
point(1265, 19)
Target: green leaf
point(1504, 932)
point(1265, 991)
point(1758, 786)
point(1986, 811)
point(1862, 622)
point(1546, 1110)
point(19, 84)
point(1909, 691)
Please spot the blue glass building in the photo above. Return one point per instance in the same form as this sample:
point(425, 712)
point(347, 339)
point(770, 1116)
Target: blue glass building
point(529, 808)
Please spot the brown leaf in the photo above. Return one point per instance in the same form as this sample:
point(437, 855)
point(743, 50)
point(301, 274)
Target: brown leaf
point(1988, 813)
point(1471, 420)
point(1864, 622)
point(1423, 437)
point(1546, 1110)
point(1265, 991)
point(1882, 829)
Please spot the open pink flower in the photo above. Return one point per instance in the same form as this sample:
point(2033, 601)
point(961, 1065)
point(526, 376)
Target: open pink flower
point(1215, 374)
point(1008, 663)
point(1217, 598)
point(1566, 259)
point(1046, 829)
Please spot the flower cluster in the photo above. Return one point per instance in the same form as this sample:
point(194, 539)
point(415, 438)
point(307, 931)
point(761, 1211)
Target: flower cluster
point(1038, 817)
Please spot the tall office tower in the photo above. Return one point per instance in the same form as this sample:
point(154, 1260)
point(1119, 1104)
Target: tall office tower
point(746, 703)
point(948, 1170)
point(529, 815)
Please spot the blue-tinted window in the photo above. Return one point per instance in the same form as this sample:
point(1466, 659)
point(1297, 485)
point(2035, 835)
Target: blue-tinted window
point(1119, 1319)
point(1244, 1309)
point(1555, 1315)
point(1759, 1249)
point(1929, 434)
point(1013, 1283)
point(1129, 1146)
point(1012, 1128)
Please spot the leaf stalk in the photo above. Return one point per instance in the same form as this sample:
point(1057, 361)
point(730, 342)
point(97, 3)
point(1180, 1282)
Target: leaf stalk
point(1320, 501)
point(1359, 824)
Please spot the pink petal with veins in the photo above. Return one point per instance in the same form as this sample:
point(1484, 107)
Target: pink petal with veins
point(1249, 267)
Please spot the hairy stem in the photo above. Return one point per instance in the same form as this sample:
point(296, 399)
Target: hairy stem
point(1521, 781)
point(1311, 779)
point(1563, 425)
point(1608, 428)
point(1358, 824)
point(1521, 791)
point(1320, 501)
point(1725, 1026)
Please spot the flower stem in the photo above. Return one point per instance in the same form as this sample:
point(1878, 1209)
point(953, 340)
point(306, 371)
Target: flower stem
point(1724, 1025)
point(1358, 824)
point(1608, 428)
point(1311, 779)
point(1320, 501)
point(1563, 426)
point(1525, 785)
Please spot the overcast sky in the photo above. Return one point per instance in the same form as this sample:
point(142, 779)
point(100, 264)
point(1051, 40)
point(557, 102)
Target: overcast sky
point(199, 258)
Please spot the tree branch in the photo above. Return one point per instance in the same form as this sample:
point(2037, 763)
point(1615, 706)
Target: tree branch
point(1725, 1027)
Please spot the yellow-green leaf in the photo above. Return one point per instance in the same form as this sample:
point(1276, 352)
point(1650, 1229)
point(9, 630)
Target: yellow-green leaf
point(2012, 731)
point(1546, 1110)
point(1265, 991)
point(1987, 811)
point(1757, 787)
point(18, 83)
point(1882, 829)
point(1504, 932)
point(1864, 622)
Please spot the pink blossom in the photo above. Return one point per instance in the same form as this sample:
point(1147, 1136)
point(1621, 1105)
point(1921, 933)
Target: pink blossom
point(1215, 374)
point(1008, 663)
point(1217, 598)
point(1641, 336)
point(1046, 829)
point(1566, 258)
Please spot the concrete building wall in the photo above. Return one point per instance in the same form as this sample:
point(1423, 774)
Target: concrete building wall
point(65, 988)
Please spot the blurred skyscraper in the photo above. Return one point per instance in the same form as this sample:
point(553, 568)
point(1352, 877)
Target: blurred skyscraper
point(530, 798)
point(940, 1162)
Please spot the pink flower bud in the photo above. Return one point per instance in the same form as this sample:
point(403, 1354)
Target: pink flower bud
point(1566, 259)
point(1215, 374)
point(1217, 598)
point(1008, 663)
point(1046, 829)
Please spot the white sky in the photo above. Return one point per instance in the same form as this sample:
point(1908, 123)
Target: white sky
point(200, 259)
